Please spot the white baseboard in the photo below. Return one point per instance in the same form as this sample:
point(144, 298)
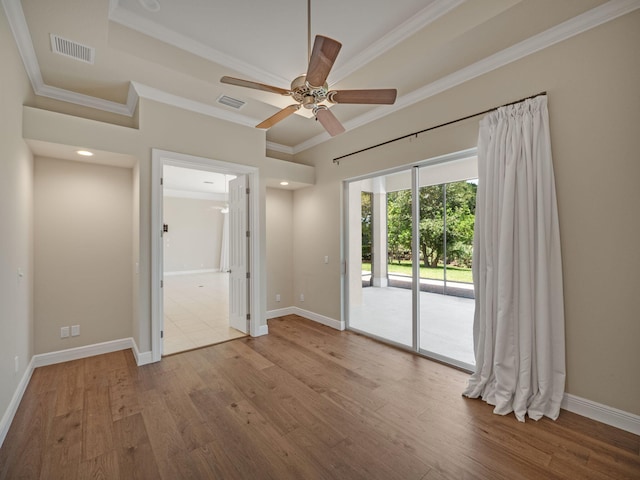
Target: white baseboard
point(191, 272)
point(263, 330)
point(60, 356)
point(602, 413)
point(316, 317)
point(142, 358)
point(11, 410)
point(281, 312)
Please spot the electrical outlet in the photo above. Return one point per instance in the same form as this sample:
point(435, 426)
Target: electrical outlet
point(302, 297)
point(64, 332)
point(75, 330)
point(326, 259)
point(277, 297)
point(16, 363)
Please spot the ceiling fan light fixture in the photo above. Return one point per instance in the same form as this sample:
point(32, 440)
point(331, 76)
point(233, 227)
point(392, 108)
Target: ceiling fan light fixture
point(310, 89)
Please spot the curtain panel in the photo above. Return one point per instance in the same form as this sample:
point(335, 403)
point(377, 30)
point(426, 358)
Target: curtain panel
point(517, 269)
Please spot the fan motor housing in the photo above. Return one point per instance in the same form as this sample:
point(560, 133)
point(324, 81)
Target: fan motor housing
point(307, 95)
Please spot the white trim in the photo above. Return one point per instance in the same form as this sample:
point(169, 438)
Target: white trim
point(420, 20)
point(11, 410)
point(159, 158)
point(277, 147)
point(161, 96)
point(191, 272)
point(563, 31)
point(574, 26)
point(602, 413)
point(159, 32)
point(142, 358)
point(85, 351)
point(281, 312)
point(316, 317)
point(263, 330)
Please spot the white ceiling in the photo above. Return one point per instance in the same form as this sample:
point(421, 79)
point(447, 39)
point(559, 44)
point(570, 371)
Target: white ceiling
point(178, 54)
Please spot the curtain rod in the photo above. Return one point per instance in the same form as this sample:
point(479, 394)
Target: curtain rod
point(337, 159)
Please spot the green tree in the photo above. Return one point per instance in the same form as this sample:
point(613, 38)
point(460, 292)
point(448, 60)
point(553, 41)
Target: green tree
point(460, 205)
point(398, 224)
point(367, 226)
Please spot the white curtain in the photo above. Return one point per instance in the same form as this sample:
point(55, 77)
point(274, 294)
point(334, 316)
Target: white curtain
point(224, 248)
point(517, 269)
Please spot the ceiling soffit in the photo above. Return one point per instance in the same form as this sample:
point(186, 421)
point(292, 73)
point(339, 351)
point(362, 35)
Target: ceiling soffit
point(578, 24)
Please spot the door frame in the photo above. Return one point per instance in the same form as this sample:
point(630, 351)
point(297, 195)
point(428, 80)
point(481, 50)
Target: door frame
point(413, 168)
point(160, 158)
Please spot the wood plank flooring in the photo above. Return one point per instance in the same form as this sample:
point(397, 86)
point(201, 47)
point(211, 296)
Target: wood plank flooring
point(304, 402)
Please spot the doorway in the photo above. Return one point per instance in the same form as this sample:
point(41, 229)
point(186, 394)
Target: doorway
point(242, 302)
point(409, 246)
point(196, 270)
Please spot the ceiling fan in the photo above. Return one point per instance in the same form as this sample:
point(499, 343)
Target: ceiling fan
point(310, 89)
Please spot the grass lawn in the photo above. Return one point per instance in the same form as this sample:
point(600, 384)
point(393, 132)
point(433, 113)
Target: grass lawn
point(454, 274)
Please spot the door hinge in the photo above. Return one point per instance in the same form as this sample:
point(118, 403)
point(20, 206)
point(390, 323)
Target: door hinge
point(248, 316)
point(161, 283)
point(248, 274)
point(248, 190)
point(248, 233)
point(161, 333)
point(161, 181)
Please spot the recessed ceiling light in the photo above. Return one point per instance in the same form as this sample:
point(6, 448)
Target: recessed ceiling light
point(284, 183)
point(85, 153)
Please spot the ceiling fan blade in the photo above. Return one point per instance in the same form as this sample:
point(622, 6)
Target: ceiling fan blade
point(329, 121)
point(255, 85)
point(324, 53)
point(279, 116)
point(386, 96)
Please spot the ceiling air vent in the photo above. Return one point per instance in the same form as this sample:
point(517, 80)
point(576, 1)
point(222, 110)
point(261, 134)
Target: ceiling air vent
point(72, 49)
point(230, 102)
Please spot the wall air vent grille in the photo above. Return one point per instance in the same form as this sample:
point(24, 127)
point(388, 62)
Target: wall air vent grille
point(231, 102)
point(72, 49)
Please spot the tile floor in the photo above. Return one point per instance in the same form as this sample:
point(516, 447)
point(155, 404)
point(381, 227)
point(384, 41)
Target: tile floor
point(196, 311)
point(446, 322)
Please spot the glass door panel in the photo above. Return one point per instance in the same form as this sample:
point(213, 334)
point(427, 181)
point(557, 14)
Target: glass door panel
point(447, 215)
point(380, 258)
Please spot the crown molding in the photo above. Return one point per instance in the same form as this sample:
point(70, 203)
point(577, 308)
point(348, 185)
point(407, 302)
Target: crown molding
point(140, 24)
point(424, 17)
point(278, 147)
point(20, 30)
point(563, 31)
point(151, 93)
point(579, 24)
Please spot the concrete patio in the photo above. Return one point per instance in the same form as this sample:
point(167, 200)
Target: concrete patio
point(446, 321)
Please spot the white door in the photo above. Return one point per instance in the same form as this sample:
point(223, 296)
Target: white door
point(238, 254)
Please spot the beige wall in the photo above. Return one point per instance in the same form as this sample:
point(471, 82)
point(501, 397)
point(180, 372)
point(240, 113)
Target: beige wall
point(194, 239)
point(279, 218)
point(16, 215)
point(592, 82)
point(83, 253)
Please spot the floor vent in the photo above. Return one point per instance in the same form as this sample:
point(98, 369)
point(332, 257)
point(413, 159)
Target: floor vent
point(72, 49)
point(230, 102)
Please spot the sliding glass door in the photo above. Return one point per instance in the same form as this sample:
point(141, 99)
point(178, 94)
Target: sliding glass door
point(380, 304)
point(410, 244)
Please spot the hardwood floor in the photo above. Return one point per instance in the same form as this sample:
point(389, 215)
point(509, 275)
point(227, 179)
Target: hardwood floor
point(304, 402)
